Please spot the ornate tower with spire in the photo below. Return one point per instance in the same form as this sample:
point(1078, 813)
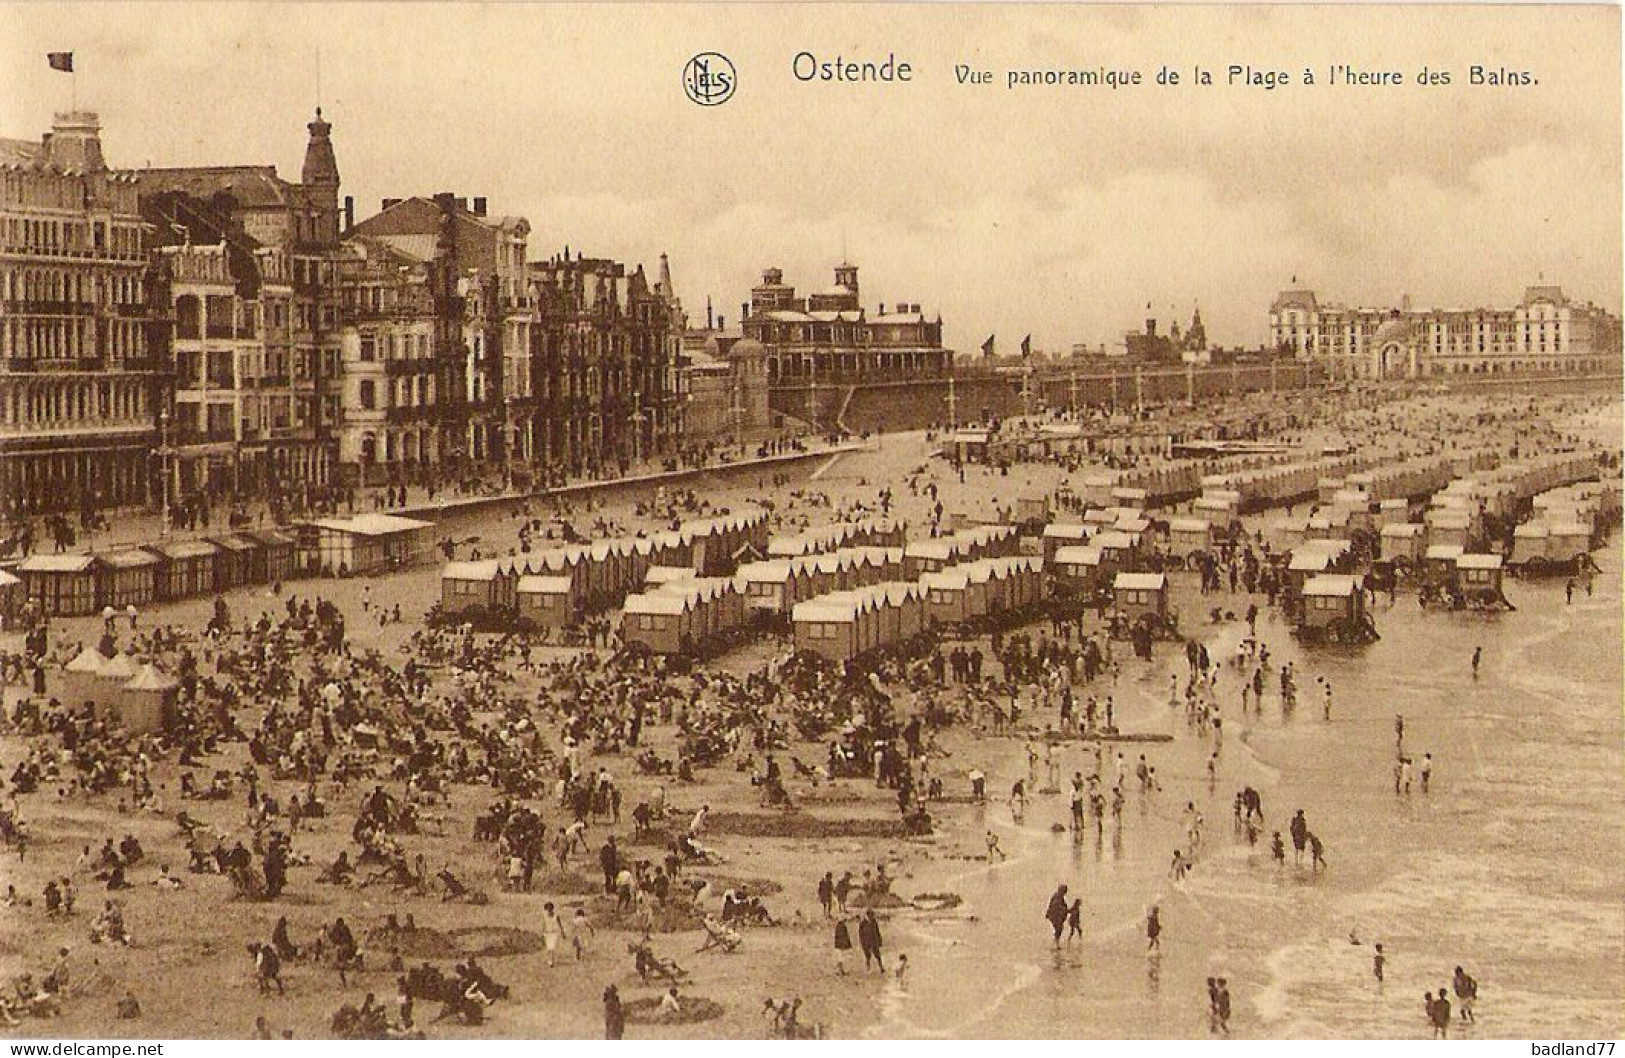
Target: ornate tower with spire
point(321, 179)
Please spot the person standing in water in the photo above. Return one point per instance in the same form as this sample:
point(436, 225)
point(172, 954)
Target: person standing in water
point(1056, 913)
point(1074, 921)
point(1466, 993)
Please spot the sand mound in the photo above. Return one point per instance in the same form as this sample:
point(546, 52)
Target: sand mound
point(672, 918)
point(695, 1009)
point(937, 901)
point(566, 883)
point(801, 825)
point(494, 942)
point(424, 942)
point(763, 887)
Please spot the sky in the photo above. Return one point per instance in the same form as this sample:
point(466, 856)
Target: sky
point(1060, 212)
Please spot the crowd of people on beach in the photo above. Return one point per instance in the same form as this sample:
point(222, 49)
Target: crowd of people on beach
point(304, 756)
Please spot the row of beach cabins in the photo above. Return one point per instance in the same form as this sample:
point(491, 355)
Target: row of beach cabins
point(74, 585)
point(1448, 548)
point(842, 602)
point(558, 587)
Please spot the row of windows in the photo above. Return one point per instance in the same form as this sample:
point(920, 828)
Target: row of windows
point(30, 405)
point(54, 236)
point(394, 347)
point(61, 339)
point(73, 285)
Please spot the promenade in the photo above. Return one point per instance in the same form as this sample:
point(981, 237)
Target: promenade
point(137, 528)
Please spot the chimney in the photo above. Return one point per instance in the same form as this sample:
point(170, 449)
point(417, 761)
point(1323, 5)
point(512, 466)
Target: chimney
point(882, 308)
point(1150, 328)
point(349, 212)
point(722, 323)
point(75, 142)
point(744, 311)
point(479, 205)
point(388, 202)
point(462, 204)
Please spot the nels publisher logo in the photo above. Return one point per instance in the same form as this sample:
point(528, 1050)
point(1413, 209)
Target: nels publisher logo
point(709, 79)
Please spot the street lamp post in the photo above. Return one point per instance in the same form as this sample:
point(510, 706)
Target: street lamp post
point(164, 452)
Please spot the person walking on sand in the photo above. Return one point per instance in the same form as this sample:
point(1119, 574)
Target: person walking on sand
point(614, 1014)
point(869, 940)
point(552, 932)
point(1056, 913)
point(1426, 771)
point(1379, 964)
point(1478, 656)
point(993, 848)
point(1153, 929)
point(1074, 921)
point(843, 944)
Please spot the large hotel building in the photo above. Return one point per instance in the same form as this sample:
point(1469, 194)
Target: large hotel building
point(1545, 333)
point(828, 337)
point(79, 346)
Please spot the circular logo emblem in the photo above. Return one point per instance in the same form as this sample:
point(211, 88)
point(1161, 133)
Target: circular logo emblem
point(709, 78)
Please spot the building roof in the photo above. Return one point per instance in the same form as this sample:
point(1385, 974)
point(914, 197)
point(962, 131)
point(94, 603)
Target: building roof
point(251, 186)
point(1312, 560)
point(1139, 582)
point(825, 610)
point(485, 569)
point(152, 678)
point(89, 660)
point(1331, 584)
point(20, 152)
point(130, 558)
point(186, 549)
point(655, 603)
point(373, 524)
point(56, 563)
point(1478, 562)
point(1294, 299)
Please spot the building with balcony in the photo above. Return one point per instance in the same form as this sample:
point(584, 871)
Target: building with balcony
point(1545, 333)
point(604, 359)
point(829, 338)
point(292, 232)
point(488, 402)
point(401, 341)
point(80, 352)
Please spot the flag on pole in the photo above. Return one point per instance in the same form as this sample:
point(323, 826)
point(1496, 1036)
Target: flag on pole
point(1027, 346)
point(60, 60)
point(987, 346)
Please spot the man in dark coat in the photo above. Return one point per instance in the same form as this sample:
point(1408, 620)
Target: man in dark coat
point(869, 940)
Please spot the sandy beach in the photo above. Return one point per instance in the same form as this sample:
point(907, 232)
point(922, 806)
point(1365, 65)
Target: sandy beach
point(1508, 864)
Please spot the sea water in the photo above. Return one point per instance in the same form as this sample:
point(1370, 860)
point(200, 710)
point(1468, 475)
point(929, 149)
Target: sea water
point(1511, 866)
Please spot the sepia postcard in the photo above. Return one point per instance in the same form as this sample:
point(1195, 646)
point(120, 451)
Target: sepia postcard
point(732, 521)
